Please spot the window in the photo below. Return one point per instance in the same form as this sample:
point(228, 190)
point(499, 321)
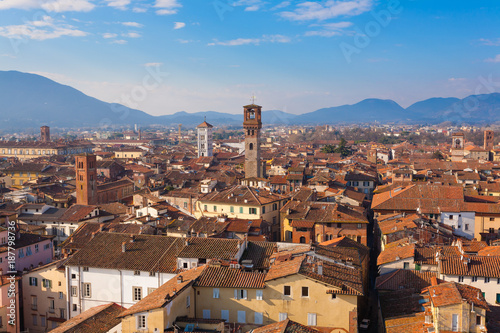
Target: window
point(360, 225)
point(21, 253)
point(241, 210)
point(33, 303)
point(35, 320)
point(137, 293)
point(150, 290)
point(85, 269)
point(231, 209)
point(474, 279)
point(141, 322)
point(137, 272)
point(498, 299)
point(242, 317)
point(263, 209)
point(36, 248)
point(466, 226)
point(240, 294)
point(282, 316)
point(47, 283)
point(406, 265)
point(339, 225)
point(305, 291)
point(252, 210)
point(334, 296)
point(74, 291)
point(33, 281)
point(486, 280)
point(185, 205)
point(28, 251)
point(152, 273)
point(451, 217)
point(61, 313)
point(492, 219)
point(215, 208)
point(275, 206)
point(42, 321)
point(454, 323)
point(75, 307)
point(311, 319)
point(86, 290)
point(52, 305)
point(258, 295)
point(460, 279)
point(224, 314)
point(188, 302)
point(498, 281)
point(206, 314)
point(61, 295)
point(205, 208)
point(287, 291)
point(478, 320)
point(216, 292)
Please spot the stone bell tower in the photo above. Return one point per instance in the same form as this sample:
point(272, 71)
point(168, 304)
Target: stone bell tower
point(252, 124)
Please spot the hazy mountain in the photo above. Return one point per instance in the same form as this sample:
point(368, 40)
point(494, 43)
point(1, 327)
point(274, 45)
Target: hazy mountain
point(368, 110)
point(29, 101)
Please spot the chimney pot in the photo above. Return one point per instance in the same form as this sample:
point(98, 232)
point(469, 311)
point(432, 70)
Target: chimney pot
point(124, 246)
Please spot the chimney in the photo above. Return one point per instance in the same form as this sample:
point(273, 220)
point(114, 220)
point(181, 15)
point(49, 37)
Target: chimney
point(124, 247)
point(320, 268)
point(179, 279)
point(100, 227)
point(434, 281)
point(132, 238)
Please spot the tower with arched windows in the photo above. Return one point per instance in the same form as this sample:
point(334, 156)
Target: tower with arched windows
point(252, 124)
point(205, 142)
point(86, 179)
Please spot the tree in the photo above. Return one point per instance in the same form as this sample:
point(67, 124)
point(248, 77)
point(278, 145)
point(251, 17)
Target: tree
point(328, 149)
point(438, 155)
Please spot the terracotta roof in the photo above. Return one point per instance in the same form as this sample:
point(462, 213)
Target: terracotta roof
point(449, 293)
point(398, 224)
point(241, 195)
point(98, 319)
point(285, 326)
point(259, 253)
point(405, 279)
point(225, 277)
point(210, 248)
point(166, 292)
point(489, 251)
point(77, 213)
point(471, 266)
point(285, 266)
point(396, 253)
point(146, 253)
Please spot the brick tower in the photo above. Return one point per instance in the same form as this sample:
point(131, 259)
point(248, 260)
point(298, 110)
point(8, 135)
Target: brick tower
point(252, 124)
point(488, 140)
point(86, 179)
point(45, 133)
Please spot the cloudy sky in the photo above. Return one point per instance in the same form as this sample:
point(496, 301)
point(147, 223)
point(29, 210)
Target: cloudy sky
point(164, 56)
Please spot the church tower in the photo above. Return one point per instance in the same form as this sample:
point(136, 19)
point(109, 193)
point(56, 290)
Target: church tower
point(86, 179)
point(205, 141)
point(252, 124)
point(457, 147)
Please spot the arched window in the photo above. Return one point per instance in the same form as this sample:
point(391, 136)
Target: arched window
point(250, 146)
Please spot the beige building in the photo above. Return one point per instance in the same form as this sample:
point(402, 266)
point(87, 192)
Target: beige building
point(159, 310)
point(25, 150)
point(130, 153)
point(44, 297)
point(243, 202)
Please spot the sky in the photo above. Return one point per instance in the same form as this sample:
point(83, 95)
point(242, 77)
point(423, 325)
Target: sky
point(165, 56)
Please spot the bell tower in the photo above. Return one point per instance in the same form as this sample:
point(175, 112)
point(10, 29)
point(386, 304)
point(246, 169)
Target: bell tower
point(86, 179)
point(252, 124)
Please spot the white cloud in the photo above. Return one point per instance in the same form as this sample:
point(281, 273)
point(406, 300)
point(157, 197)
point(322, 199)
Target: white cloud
point(327, 9)
point(109, 35)
point(120, 4)
point(281, 5)
point(153, 64)
point(167, 7)
point(139, 10)
point(495, 60)
point(132, 24)
point(43, 29)
point(179, 25)
point(131, 35)
point(57, 6)
point(490, 42)
point(254, 41)
point(253, 8)
point(330, 29)
point(119, 41)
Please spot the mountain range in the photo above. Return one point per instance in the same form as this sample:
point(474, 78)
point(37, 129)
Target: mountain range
point(30, 101)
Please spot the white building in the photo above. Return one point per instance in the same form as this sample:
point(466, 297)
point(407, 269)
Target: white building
point(205, 141)
point(120, 268)
point(461, 222)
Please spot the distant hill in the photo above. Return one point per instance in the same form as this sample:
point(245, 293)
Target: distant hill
point(29, 101)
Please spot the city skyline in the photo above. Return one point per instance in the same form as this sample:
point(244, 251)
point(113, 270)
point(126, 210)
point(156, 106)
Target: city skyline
point(294, 56)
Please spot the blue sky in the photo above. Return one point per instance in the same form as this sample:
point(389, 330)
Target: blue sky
point(164, 56)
